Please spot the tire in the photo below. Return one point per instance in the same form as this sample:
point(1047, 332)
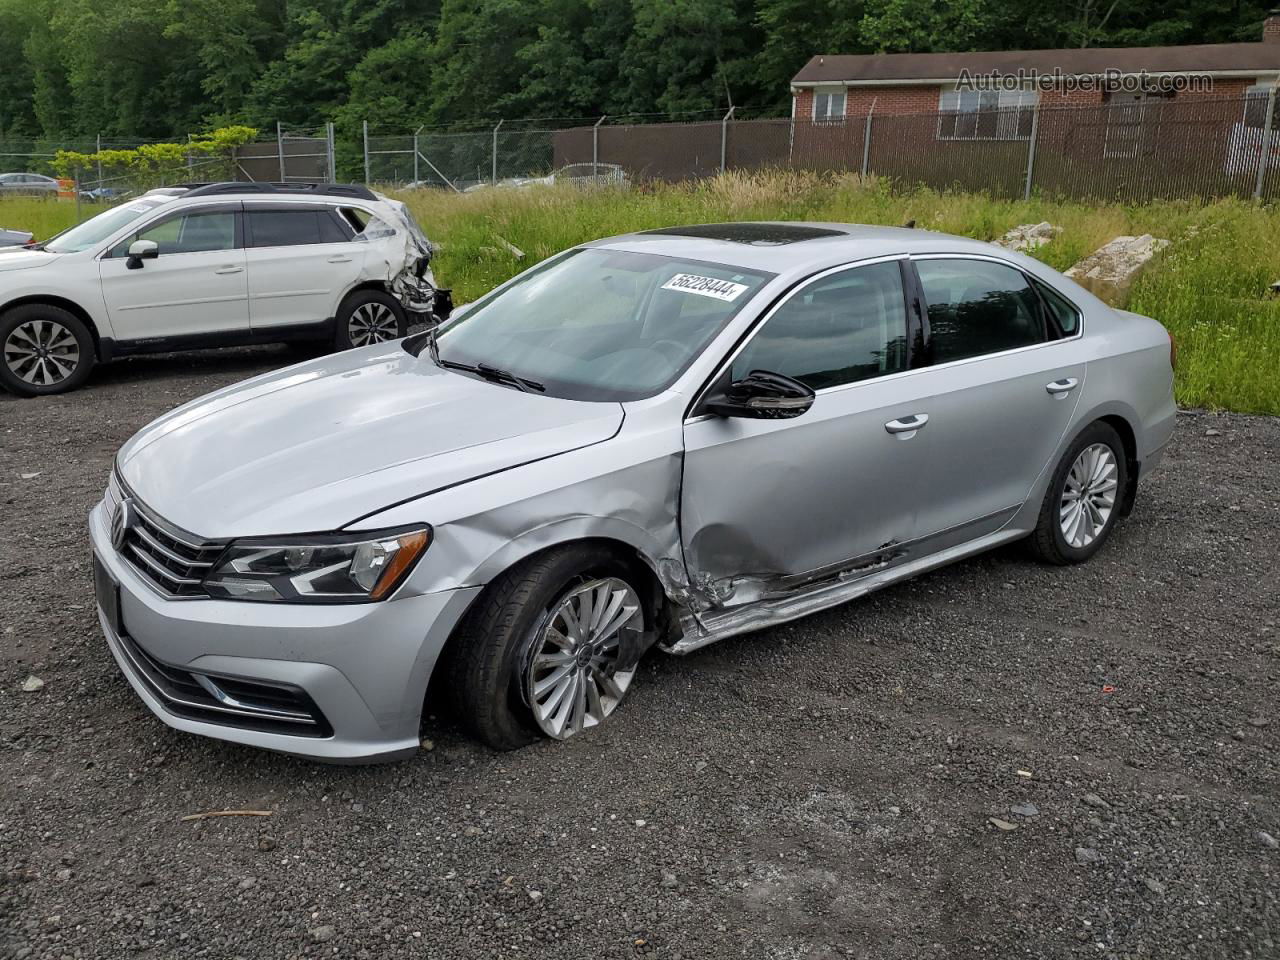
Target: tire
point(492, 658)
point(368, 316)
point(44, 350)
point(1065, 534)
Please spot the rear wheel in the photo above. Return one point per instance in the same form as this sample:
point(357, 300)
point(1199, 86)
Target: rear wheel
point(43, 349)
point(369, 316)
point(551, 648)
point(1082, 503)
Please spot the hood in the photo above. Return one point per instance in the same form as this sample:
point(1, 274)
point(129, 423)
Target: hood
point(19, 258)
point(313, 447)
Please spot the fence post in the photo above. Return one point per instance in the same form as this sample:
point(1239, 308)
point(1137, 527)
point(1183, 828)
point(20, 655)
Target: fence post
point(332, 154)
point(494, 168)
point(866, 139)
point(76, 186)
point(1031, 149)
point(364, 126)
point(99, 146)
point(280, 148)
point(595, 146)
point(1264, 155)
point(724, 137)
point(415, 155)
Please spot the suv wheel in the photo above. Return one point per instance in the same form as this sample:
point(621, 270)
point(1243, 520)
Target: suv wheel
point(551, 647)
point(43, 349)
point(369, 316)
point(1082, 504)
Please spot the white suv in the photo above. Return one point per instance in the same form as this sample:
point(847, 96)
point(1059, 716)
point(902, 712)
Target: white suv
point(212, 265)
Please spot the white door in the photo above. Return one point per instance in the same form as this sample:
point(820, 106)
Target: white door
point(196, 285)
point(300, 260)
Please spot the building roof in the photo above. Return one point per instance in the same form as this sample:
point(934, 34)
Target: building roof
point(902, 67)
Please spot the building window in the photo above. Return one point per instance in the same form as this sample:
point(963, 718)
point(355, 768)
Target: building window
point(1132, 120)
point(986, 114)
point(1255, 106)
point(828, 107)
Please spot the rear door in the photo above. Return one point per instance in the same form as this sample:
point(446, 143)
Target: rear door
point(301, 259)
point(195, 286)
point(1004, 380)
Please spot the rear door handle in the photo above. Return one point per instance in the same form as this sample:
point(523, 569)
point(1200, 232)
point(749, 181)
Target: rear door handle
point(339, 258)
point(1060, 388)
point(229, 269)
point(905, 427)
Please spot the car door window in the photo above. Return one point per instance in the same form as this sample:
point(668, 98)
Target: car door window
point(291, 228)
point(846, 327)
point(1065, 315)
point(195, 232)
point(978, 307)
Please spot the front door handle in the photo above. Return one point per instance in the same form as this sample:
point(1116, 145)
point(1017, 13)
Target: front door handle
point(1060, 388)
point(339, 258)
point(904, 428)
point(229, 269)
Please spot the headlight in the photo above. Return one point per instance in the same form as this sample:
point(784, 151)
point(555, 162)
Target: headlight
point(333, 568)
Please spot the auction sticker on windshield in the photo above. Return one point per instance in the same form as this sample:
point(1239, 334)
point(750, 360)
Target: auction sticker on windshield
point(705, 286)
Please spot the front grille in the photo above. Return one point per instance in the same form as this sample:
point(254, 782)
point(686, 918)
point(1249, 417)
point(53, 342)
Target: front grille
point(172, 560)
point(230, 701)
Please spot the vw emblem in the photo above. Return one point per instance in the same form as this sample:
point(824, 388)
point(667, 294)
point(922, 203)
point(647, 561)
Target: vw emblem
point(121, 523)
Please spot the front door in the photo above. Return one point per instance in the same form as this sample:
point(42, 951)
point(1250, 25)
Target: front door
point(767, 505)
point(197, 285)
point(300, 260)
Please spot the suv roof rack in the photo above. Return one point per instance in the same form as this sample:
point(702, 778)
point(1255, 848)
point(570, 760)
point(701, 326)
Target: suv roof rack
point(257, 186)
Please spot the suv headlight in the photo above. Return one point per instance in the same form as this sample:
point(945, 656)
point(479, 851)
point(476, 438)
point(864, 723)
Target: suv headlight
point(330, 568)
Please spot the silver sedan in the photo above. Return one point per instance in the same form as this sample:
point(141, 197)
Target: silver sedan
point(27, 184)
point(656, 440)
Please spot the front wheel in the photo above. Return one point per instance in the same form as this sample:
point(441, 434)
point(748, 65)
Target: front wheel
point(369, 316)
point(1082, 503)
point(43, 349)
point(550, 648)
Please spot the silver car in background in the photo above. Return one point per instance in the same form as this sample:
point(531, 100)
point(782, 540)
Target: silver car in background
point(661, 439)
point(27, 185)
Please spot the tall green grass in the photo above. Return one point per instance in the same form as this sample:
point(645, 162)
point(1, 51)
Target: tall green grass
point(41, 217)
point(1209, 287)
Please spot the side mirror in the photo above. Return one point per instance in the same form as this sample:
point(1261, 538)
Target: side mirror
point(141, 250)
point(762, 395)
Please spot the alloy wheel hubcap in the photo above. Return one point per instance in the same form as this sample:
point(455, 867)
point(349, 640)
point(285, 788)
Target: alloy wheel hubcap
point(372, 323)
point(1089, 496)
point(41, 352)
point(576, 675)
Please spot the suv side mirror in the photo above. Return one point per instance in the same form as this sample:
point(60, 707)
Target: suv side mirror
point(141, 250)
point(762, 395)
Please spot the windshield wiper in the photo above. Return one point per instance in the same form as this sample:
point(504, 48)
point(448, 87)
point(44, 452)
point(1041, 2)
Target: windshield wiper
point(488, 371)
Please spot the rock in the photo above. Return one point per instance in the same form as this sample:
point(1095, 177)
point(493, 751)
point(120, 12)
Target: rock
point(64, 874)
point(1212, 432)
point(1087, 855)
point(428, 745)
point(640, 823)
point(1025, 774)
point(1267, 840)
point(1002, 824)
point(535, 895)
point(669, 880)
point(248, 883)
point(1028, 236)
point(1025, 810)
point(1095, 801)
point(1259, 722)
point(700, 766)
point(32, 684)
point(895, 811)
point(30, 476)
point(1155, 886)
point(357, 808)
point(266, 844)
point(472, 832)
point(321, 934)
point(1109, 272)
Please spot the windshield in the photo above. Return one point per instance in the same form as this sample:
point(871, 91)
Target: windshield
point(96, 229)
point(601, 324)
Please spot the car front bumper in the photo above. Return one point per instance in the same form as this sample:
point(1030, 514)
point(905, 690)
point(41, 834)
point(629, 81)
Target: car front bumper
point(341, 682)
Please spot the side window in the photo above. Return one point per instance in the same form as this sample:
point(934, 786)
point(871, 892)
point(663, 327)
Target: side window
point(187, 233)
point(977, 307)
point(283, 228)
point(366, 225)
point(847, 327)
point(1067, 316)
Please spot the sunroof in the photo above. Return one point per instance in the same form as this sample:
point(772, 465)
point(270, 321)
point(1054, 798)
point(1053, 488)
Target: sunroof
point(757, 234)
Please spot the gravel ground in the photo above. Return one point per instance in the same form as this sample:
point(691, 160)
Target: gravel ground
point(997, 759)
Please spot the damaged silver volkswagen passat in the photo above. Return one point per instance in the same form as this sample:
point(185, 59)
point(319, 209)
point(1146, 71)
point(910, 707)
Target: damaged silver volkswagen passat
point(660, 439)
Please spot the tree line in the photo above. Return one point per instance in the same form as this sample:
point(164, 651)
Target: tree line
point(156, 68)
